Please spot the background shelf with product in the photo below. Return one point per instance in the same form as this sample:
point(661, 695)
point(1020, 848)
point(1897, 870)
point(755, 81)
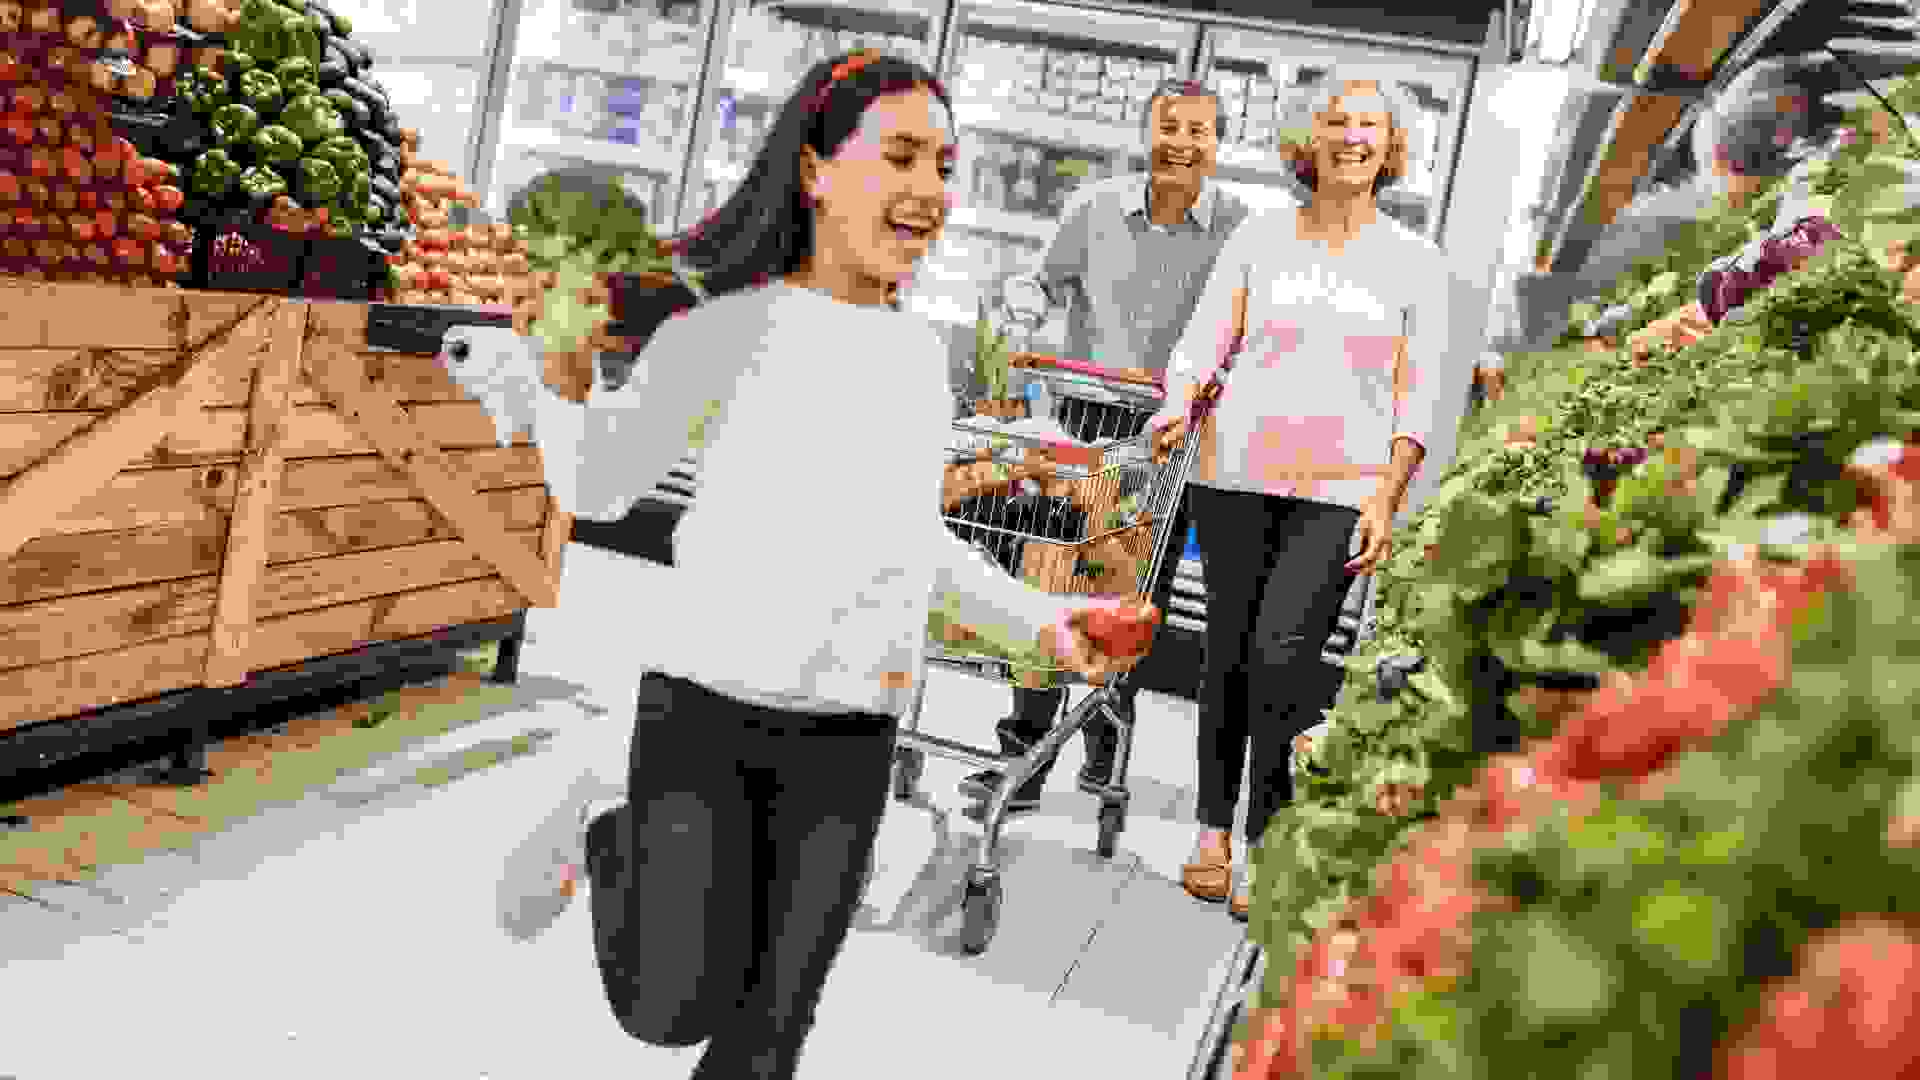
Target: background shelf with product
point(673, 97)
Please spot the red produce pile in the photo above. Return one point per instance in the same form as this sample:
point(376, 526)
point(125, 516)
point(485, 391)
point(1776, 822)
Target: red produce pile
point(1414, 930)
point(78, 202)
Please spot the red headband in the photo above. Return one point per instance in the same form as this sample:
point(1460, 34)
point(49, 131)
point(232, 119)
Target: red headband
point(845, 69)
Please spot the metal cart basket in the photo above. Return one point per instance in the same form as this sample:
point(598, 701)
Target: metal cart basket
point(1069, 518)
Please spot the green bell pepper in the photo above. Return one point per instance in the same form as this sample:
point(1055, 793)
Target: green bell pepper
point(300, 88)
point(341, 101)
point(338, 227)
point(294, 68)
point(214, 173)
point(343, 26)
point(345, 155)
point(303, 41)
point(239, 62)
point(233, 124)
point(313, 118)
point(276, 145)
point(258, 31)
point(355, 201)
point(261, 90)
point(318, 180)
point(202, 89)
point(262, 183)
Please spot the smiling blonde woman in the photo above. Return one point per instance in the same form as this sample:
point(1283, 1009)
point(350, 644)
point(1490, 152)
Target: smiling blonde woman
point(1334, 321)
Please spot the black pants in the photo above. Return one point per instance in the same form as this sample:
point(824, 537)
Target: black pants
point(1034, 711)
point(723, 890)
point(1276, 577)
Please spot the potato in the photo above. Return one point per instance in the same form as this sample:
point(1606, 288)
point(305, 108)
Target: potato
point(164, 59)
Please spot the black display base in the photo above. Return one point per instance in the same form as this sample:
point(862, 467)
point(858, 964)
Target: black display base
point(47, 756)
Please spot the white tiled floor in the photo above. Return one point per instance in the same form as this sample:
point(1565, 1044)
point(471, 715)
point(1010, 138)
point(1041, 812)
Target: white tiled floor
point(352, 934)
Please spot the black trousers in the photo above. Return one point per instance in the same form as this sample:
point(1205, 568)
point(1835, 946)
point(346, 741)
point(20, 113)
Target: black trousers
point(724, 889)
point(1276, 577)
point(1034, 711)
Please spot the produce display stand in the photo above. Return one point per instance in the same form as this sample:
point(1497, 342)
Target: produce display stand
point(1213, 1056)
point(213, 501)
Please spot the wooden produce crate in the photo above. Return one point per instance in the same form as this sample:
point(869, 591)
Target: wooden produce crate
point(202, 487)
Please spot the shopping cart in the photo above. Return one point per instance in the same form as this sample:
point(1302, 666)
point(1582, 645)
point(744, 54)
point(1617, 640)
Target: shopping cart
point(1071, 519)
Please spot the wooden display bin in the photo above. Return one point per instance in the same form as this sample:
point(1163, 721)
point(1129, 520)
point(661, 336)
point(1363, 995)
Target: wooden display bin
point(203, 487)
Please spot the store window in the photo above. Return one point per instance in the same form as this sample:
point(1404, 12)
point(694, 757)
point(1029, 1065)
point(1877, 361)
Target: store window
point(1266, 79)
point(769, 47)
point(1047, 98)
point(604, 84)
point(432, 57)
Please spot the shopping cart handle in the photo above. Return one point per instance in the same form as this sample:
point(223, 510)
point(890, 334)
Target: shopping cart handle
point(1081, 367)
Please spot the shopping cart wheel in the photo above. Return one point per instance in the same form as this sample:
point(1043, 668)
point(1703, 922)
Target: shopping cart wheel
point(1113, 819)
point(979, 914)
point(908, 764)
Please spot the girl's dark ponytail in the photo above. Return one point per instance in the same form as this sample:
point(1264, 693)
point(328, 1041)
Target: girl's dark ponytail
point(764, 230)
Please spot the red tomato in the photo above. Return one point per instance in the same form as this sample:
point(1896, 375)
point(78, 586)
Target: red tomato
point(169, 197)
point(106, 223)
point(9, 187)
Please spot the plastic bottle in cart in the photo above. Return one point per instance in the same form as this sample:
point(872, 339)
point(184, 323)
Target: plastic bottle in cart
point(1039, 399)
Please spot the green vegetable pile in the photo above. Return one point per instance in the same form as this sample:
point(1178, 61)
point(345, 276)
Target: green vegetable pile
point(1502, 594)
point(295, 122)
point(577, 228)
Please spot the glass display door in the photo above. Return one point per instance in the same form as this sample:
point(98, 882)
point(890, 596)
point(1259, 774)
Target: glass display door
point(768, 47)
point(606, 85)
point(431, 55)
point(1046, 98)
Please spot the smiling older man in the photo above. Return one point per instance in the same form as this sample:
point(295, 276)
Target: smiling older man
point(1127, 265)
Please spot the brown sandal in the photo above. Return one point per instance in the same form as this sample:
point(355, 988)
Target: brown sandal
point(1210, 879)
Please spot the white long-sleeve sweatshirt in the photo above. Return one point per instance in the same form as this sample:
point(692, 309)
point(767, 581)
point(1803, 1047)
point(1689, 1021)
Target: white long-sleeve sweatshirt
point(1344, 354)
point(806, 567)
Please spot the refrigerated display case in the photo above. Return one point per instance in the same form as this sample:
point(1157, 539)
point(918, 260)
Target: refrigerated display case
point(672, 97)
point(765, 49)
point(1048, 99)
point(1265, 80)
point(608, 84)
point(433, 58)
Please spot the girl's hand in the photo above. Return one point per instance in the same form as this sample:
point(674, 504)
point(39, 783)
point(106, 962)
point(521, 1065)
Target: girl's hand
point(1102, 639)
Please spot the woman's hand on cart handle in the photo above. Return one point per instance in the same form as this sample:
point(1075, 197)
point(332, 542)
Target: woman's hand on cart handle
point(1168, 434)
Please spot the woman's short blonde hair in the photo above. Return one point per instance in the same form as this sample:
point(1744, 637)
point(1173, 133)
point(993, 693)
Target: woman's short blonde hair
point(1320, 97)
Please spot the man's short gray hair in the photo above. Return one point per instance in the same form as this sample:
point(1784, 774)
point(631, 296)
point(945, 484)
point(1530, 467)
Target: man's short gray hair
point(1179, 88)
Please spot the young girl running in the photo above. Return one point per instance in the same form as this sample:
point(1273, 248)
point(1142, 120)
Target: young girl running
point(723, 888)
